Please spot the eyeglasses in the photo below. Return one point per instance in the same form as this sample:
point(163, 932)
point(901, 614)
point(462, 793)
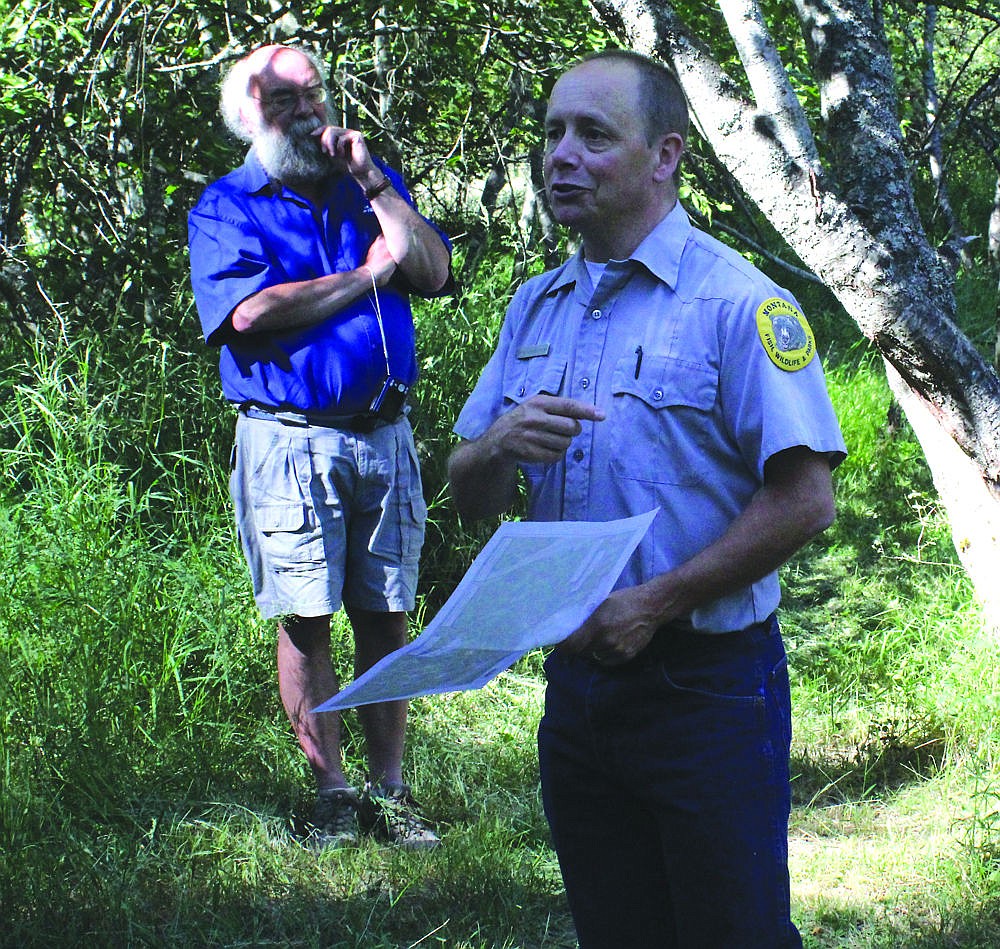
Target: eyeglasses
point(287, 100)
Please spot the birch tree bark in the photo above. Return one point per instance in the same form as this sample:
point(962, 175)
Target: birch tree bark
point(994, 252)
point(848, 212)
point(934, 148)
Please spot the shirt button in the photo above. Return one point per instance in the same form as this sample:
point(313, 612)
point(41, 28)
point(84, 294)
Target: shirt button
point(596, 314)
point(578, 455)
point(657, 395)
point(584, 383)
point(520, 391)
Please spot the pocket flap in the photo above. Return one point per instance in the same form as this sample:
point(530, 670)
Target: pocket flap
point(535, 377)
point(666, 381)
point(272, 518)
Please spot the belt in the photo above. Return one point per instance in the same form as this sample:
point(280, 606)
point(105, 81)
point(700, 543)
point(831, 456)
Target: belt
point(674, 637)
point(361, 423)
point(664, 641)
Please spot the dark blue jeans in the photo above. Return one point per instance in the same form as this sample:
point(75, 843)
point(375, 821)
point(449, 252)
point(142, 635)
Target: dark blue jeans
point(666, 786)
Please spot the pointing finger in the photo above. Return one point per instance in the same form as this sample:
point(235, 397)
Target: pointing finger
point(569, 408)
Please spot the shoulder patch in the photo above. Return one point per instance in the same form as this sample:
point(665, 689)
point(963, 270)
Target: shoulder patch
point(786, 336)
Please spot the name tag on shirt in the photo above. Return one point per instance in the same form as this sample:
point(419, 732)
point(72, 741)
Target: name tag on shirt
point(530, 352)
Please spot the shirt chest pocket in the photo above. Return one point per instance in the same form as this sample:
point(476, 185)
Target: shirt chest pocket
point(661, 422)
point(539, 375)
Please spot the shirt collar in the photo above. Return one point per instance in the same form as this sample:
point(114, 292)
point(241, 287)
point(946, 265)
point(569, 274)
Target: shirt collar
point(255, 181)
point(660, 252)
point(570, 272)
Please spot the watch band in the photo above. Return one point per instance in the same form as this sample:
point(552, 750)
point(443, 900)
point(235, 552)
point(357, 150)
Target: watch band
point(375, 190)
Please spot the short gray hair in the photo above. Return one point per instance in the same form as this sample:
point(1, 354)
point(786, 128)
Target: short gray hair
point(234, 91)
point(660, 92)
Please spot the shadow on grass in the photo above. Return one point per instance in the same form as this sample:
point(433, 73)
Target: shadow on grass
point(302, 914)
point(217, 874)
point(888, 759)
point(969, 925)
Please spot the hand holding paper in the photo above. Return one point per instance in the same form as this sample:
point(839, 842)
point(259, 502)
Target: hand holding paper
point(532, 585)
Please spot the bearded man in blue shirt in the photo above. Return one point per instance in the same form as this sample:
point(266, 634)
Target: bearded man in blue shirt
point(302, 261)
point(647, 373)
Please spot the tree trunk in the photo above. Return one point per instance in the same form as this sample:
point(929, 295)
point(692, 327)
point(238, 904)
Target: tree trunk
point(385, 84)
point(517, 96)
point(994, 251)
point(956, 246)
point(850, 216)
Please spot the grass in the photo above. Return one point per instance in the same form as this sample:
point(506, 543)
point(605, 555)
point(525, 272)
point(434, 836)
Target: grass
point(151, 784)
point(897, 869)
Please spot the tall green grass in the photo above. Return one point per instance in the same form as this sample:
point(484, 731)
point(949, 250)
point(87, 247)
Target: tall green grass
point(151, 784)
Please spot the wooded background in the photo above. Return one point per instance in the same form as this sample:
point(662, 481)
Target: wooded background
point(849, 146)
point(151, 790)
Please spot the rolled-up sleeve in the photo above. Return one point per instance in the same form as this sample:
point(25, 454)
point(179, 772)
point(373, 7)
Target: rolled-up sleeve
point(229, 262)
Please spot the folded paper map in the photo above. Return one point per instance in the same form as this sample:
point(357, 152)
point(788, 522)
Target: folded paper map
point(533, 584)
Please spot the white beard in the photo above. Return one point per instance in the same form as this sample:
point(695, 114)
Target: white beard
point(293, 155)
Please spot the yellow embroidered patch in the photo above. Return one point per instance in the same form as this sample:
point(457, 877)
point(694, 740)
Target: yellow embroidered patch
point(787, 337)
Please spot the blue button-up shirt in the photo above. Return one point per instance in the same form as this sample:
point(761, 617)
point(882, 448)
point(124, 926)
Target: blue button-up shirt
point(247, 233)
point(668, 346)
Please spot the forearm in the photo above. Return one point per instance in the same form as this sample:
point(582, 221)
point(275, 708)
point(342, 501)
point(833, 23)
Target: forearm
point(791, 508)
point(291, 305)
point(782, 517)
point(483, 472)
point(413, 244)
point(483, 482)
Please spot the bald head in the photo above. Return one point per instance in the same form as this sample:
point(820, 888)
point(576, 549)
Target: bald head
point(268, 69)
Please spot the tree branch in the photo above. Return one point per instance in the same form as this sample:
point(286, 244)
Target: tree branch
point(885, 275)
point(750, 244)
point(769, 81)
